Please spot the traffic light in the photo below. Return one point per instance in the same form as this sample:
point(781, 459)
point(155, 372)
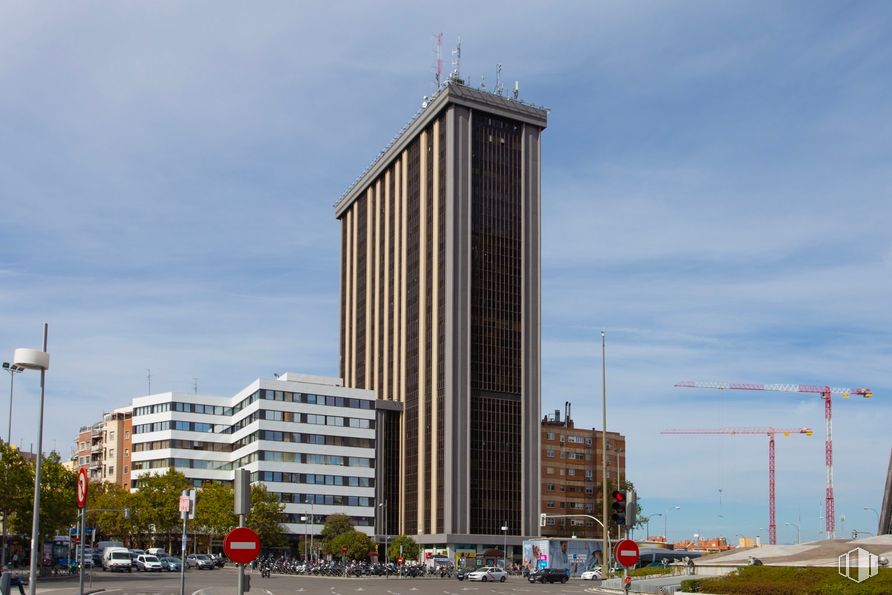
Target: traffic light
point(542, 519)
point(619, 507)
point(631, 508)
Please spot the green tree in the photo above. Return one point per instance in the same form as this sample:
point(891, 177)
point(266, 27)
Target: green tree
point(58, 500)
point(356, 542)
point(16, 485)
point(156, 506)
point(410, 548)
point(266, 516)
point(335, 524)
point(214, 509)
point(108, 501)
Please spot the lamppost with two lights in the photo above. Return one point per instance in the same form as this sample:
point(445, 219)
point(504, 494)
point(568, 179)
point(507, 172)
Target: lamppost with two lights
point(798, 541)
point(13, 370)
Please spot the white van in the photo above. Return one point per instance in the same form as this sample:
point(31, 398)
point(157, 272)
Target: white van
point(116, 558)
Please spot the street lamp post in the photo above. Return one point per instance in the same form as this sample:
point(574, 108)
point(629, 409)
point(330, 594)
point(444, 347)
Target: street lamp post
point(31, 359)
point(865, 508)
point(666, 521)
point(798, 541)
point(384, 527)
point(13, 370)
point(648, 524)
point(306, 520)
point(505, 550)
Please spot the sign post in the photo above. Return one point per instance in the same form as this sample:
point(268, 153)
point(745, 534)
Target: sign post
point(627, 554)
point(187, 511)
point(241, 507)
point(82, 504)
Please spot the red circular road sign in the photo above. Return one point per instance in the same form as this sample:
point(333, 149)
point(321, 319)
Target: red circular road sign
point(627, 552)
point(343, 549)
point(241, 545)
point(81, 487)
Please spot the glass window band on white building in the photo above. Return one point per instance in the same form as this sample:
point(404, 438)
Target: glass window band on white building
point(310, 440)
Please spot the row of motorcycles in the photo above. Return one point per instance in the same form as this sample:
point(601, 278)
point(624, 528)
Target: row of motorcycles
point(281, 565)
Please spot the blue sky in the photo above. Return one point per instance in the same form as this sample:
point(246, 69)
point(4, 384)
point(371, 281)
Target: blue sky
point(716, 196)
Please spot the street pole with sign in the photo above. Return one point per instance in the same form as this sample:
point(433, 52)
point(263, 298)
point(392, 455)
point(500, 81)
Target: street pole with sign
point(187, 511)
point(242, 494)
point(82, 504)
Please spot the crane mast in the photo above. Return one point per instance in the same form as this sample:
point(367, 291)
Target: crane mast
point(770, 432)
point(826, 393)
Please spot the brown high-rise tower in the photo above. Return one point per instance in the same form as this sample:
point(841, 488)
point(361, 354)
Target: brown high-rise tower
point(440, 316)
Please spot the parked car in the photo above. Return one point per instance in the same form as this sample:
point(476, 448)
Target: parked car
point(116, 558)
point(488, 573)
point(550, 575)
point(199, 561)
point(462, 573)
point(592, 575)
point(157, 551)
point(148, 563)
point(133, 555)
point(171, 564)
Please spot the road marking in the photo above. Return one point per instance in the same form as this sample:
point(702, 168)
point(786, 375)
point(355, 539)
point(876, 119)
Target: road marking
point(268, 592)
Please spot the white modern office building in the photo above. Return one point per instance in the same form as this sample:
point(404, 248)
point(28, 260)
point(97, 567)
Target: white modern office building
point(309, 439)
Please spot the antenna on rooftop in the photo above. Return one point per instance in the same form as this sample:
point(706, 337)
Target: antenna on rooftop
point(195, 385)
point(456, 63)
point(439, 65)
point(149, 380)
point(516, 89)
point(499, 87)
point(483, 83)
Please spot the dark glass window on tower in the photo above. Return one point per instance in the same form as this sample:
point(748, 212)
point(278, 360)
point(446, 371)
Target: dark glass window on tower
point(495, 365)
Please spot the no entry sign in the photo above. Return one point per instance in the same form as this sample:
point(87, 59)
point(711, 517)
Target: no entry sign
point(81, 487)
point(627, 552)
point(241, 545)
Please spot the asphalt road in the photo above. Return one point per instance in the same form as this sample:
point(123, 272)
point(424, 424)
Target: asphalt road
point(223, 582)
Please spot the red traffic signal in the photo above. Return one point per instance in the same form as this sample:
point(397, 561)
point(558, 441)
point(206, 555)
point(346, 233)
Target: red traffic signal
point(619, 507)
point(628, 580)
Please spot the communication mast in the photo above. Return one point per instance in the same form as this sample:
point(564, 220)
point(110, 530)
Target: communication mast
point(438, 70)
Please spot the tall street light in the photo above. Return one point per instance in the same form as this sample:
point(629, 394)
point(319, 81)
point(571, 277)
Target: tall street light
point(605, 545)
point(306, 520)
point(648, 524)
point(32, 359)
point(666, 521)
point(505, 550)
point(798, 541)
point(384, 527)
point(865, 508)
point(13, 370)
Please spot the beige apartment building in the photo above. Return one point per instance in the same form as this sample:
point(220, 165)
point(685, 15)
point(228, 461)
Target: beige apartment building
point(572, 473)
point(103, 448)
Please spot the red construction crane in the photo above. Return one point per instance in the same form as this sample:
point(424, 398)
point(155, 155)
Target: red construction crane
point(770, 432)
point(826, 393)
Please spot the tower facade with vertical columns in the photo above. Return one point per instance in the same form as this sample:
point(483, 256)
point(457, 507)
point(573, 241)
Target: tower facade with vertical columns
point(440, 315)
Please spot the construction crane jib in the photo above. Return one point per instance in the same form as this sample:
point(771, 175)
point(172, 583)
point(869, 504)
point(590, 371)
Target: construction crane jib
point(770, 432)
point(826, 393)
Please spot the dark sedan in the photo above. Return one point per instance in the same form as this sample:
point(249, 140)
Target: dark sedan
point(550, 575)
